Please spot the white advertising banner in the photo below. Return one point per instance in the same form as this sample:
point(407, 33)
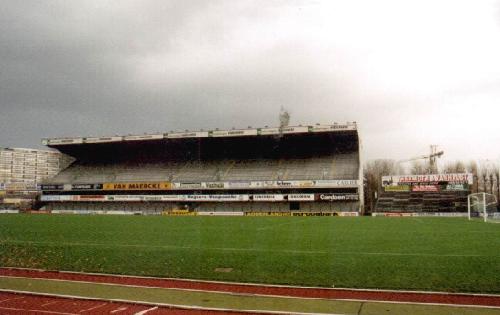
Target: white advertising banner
point(301, 197)
point(268, 197)
point(187, 134)
point(234, 133)
point(172, 197)
point(143, 137)
point(336, 183)
point(188, 185)
point(216, 185)
point(284, 130)
point(335, 127)
point(64, 141)
point(50, 198)
point(9, 211)
point(239, 185)
point(123, 198)
point(102, 139)
point(217, 197)
point(429, 178)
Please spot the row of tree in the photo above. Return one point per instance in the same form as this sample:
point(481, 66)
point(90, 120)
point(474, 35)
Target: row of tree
point(486, 175)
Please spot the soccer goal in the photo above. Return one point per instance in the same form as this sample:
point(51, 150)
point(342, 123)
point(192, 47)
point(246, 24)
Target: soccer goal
point(483, 205)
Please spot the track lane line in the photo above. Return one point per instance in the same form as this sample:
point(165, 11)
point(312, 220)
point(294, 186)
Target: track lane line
point(146, 311)
point(36, 310)
point(93, 308)
point(11, 299)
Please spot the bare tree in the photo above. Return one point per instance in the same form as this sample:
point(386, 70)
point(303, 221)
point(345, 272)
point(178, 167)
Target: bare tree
point(455, 167)
point(497, 178)
point(419, 167)
point(486, 174)
point(373, 172)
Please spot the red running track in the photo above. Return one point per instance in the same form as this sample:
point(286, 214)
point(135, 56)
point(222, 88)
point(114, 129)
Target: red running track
point(327, 293)
point(16, 304)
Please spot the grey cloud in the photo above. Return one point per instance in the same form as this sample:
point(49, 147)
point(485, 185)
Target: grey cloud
point(103, 67)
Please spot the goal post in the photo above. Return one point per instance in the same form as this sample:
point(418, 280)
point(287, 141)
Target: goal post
point(483, 205)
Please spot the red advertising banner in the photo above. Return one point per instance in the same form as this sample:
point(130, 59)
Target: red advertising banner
point(424, 188)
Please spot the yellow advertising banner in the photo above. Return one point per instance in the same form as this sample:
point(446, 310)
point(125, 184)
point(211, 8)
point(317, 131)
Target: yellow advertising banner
point(397, 188)
point(138, 186)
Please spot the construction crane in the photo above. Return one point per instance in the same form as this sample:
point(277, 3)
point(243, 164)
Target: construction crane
point(434, 154)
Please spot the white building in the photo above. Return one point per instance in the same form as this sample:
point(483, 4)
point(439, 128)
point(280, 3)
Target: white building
point(28, 167)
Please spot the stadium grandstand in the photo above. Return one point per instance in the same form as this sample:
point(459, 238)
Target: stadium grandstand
point(299, 170)
point(438, 194)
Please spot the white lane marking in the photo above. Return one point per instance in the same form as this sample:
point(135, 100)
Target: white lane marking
point(118, 310)
point(34, 310)
point(312, 252)
point(12, 299)
point(145, 311)
point(49, 303)
point(92, 308)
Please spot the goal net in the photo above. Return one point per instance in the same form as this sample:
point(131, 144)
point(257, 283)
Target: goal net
point(483, 206)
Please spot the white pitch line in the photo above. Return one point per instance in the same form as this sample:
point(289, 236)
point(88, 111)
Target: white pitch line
point(312, 252)
point(268, 227)
point(145, 311)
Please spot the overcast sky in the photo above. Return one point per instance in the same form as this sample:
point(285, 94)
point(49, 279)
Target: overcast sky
point(411, 73)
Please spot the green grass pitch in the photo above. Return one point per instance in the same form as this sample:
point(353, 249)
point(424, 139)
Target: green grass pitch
point(439, 254)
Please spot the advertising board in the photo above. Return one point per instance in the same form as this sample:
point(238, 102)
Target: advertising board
point(51, 187)
point(337, 197)
point(62, 141)
point(301, 197)
point(429, 178)
point(187, 134)
point(336, 183)
point(143, 137)
point(284, 130)
point(86, 186)
point(335, 127)
point(265, 214)
point(313, 214)
point(397, 188)
point(92, 198)
point(233, 133)
point(221, 213)
point(217, 197)
point(124, 198)
point(188, 185)
point(425, 188)
point(102, 139)
point(456, 187)
point(138, 186)
point(19, 186)
point(239, 185)
point(215, 185)
point(268, 197)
